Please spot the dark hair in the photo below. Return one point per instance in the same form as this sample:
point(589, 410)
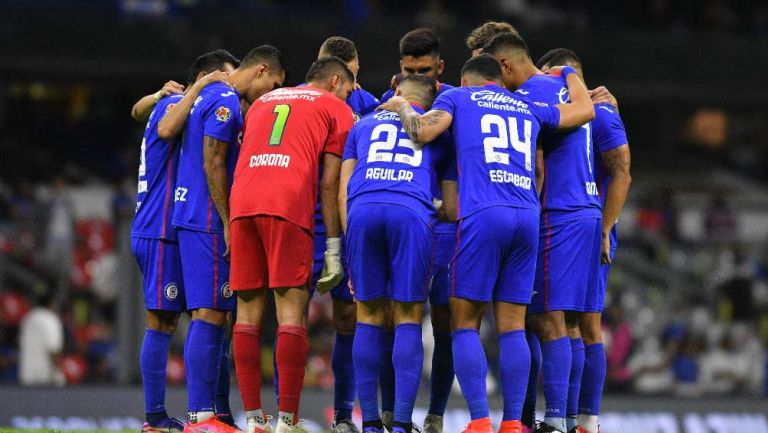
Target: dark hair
point(558, 57)
point(483, 34)
point(340, 47)
point(325, 67)
point(425, 87)
point(505, 41)
point(420, 42)
point(209, 62)
point(484, 65)
point(266, 54)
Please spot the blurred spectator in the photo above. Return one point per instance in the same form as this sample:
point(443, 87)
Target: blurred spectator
point(41, 341)
point(60, 235)
point(618, 335)
point(720, 221)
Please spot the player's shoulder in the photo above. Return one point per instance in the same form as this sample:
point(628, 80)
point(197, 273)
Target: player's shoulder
point(442, 87)
point(606, 114)
point(365, 95)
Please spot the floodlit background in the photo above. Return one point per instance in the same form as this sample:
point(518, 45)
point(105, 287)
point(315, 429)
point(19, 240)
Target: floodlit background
point(686, 321)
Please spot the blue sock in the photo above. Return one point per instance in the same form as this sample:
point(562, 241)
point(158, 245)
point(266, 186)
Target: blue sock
point(407, 358)
point(532, 392)
point(387, 372)
point(515, 364)
point(366, 358)
point(556, 367)
point(577, 368)
point(593, 379)
point(222, 386)
point(344, 376)
point(471, 368)
point(153, 360)
point(202, 359)
point(442, 374)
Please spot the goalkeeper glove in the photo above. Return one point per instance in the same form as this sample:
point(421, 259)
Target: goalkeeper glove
point(332, 273)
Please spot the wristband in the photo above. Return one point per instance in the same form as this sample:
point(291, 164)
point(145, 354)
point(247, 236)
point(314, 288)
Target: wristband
point(157, 96)
point(333, 245)
point(566, 71)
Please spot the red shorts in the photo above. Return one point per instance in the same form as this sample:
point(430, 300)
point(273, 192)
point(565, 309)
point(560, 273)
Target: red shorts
point(269, 252)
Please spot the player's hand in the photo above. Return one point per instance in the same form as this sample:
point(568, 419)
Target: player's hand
point(351, 287)
point(226, 241)
point(170, 88)
point(216, 77)
point(602, 95)
point(605, 250)
point(393, 104)
point(333, 272)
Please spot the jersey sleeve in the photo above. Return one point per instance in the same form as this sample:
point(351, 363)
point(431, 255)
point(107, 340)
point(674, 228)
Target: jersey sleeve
point(341, 123)
point(607, 129)
point(446, 101)
point(387, 96)
point(350, 147)
point(547, 115)
point(370, 103)
point(220, 120)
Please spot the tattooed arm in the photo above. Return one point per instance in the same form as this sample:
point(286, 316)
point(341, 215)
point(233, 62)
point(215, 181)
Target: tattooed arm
point(617, 163)
point(421, 128)
point(215, 166)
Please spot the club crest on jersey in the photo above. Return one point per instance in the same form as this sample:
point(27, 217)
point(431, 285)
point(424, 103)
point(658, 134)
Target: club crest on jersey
point(226, 291)
point(223, 114)
point(168, 107)
point(171, 291)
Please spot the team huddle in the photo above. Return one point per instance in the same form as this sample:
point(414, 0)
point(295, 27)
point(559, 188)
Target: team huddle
point(504, 189)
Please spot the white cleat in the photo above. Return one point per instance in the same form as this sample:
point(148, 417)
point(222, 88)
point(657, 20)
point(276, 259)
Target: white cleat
point(283, 427)
point(257, 427)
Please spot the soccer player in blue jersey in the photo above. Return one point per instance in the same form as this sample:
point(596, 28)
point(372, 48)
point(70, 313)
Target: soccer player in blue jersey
point(612, 175)
point(569, 239)
point(206, 164)
point(495, 133)
point(153, 239)
point(387, 209)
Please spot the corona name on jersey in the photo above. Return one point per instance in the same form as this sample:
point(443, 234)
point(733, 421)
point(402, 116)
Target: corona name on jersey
point(270, 160)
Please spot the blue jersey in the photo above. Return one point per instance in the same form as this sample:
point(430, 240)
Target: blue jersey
point(441, 87)
point(607, 133)
point(159, 162)
point(390, 169)
point(569, 191)
point(216, 114)
point(495, 133)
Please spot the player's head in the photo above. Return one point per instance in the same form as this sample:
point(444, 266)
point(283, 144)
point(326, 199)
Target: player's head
point(261, 71)
point(480, 36)
point(342, 48)
point(420, 53)
point(331, 74)
point(560, 57)
point(219, 60)
point(417, 88)
point(512, 53)
point(481, 69)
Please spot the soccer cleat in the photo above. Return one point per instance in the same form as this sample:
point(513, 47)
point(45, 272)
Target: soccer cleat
point(388, 419)
point(283, 427)
point(172, 425)
point(482, 425)
point(344, 426)
point(211, 425)
point(511, 427)
point(433, 423)
point(257, 427)
point(543, 427)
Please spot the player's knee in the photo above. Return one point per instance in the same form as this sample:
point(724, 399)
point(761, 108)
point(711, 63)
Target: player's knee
point(408, 312)
point(209, 315)
point(591, 328)
point(372, 313)
point(549, 326)
point(250, 307)
point(509, 317)
point(162, 321)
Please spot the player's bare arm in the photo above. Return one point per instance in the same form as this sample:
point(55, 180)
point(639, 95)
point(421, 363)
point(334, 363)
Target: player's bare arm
point(173, 121)
point(329, 195)
point(617, 163)
point(539, 169)
point(347, 167)
point(423, 128)
point(450, 204)
point(603, 95)
point(144, 106)
point(580, 110)
point(215, 166)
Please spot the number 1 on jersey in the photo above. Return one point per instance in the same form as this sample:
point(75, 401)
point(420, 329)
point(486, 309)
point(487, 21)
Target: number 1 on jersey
point(282, 111)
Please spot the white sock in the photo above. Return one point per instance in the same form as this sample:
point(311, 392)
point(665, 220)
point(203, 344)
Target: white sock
point(589, 423)
point(558, 423)
point(571, 422)
point(287, 417)
point(196, 417)
point(257, 415)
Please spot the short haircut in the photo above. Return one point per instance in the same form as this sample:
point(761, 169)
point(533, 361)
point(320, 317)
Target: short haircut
point(209, 62)
point(340, 47)
point(484, 66)
point(419, 87)
point(558, 57)
point(326, 67)
point(483, 34)
point(266, 54)
point(420, 42)
point(506, 41)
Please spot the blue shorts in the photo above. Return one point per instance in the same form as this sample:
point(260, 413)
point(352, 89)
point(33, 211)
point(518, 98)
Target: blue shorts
point(206, 271)
point(568, 263)
point(390, 249)
point(595, 301)
point(340, 292)
point(160, 264)
point(496, 255)
point(445, 248)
